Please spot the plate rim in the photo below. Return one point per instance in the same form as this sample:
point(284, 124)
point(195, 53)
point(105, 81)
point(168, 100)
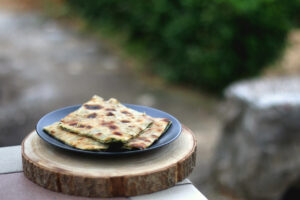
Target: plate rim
point(105, 153)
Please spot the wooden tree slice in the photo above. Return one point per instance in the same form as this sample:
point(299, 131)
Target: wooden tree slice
point(103, 176)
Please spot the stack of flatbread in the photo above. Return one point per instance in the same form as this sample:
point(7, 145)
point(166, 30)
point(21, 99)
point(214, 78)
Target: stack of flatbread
point(98, 123)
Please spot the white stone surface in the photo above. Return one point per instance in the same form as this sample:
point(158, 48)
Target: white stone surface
point(185, 181)
point(178, 192)
point(10, 159)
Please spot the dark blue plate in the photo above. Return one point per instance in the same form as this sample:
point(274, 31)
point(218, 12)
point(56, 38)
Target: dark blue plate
point(172, 133)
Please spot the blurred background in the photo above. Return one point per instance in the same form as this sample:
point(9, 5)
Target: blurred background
point(178, 56)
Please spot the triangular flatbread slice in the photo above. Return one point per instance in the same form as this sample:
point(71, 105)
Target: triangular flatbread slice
point(150, 135)
point(106, 121)
point(74, 140)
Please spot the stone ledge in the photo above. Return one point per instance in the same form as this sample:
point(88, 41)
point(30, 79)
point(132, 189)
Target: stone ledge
point(11, 160)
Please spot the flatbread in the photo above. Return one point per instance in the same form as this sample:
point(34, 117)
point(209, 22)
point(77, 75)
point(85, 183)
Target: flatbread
point(74, 140)
point(150, 135)
point(106, 121)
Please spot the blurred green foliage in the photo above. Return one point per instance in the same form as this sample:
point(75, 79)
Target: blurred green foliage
point(207, 43)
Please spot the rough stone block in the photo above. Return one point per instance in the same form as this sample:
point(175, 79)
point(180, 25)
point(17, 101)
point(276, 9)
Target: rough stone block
point(258, 153)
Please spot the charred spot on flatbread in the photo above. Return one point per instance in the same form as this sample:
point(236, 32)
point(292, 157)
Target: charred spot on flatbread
point(110, 109)
point(93, 115)
point(92, 106)
point(104, 123)
point(165, 120)
point(112, 127)
point(73, 124)
point(117, 133)
point(98, 134)
point(110, 114)
point(88, 126)
point(126, 113)
point(139, 145)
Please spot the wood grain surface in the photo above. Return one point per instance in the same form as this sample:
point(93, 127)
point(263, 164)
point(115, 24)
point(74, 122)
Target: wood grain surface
point(103, 176)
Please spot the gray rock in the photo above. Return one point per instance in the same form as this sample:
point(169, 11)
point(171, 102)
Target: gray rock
point(258, 154)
